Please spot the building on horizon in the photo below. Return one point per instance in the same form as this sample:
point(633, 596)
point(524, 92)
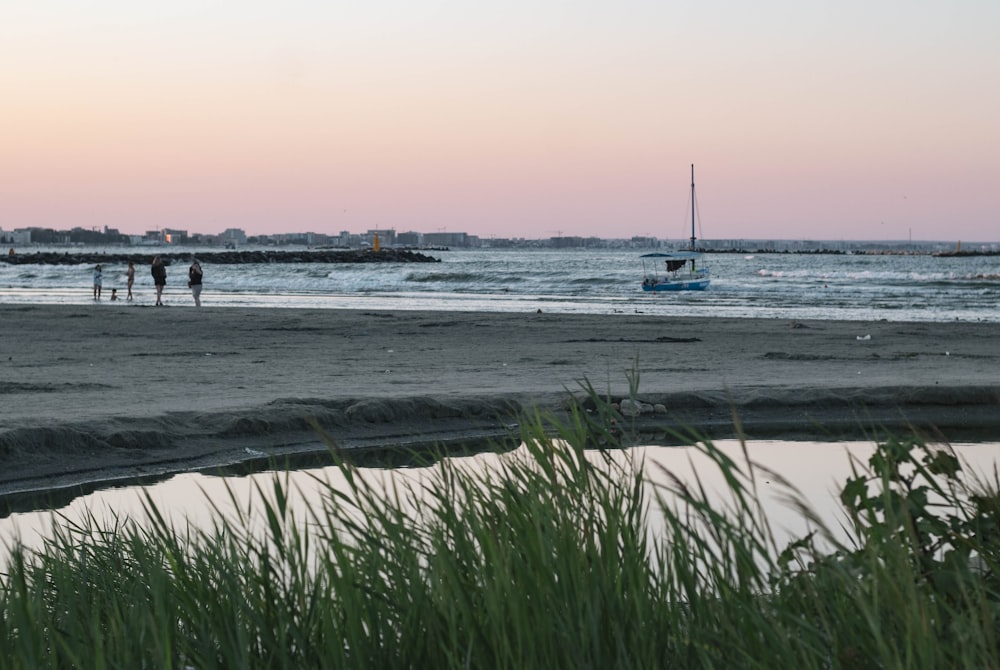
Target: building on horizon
point(386, 236)
point(445, 239)
point(233, 236)
point(409, 239)
point(18, 236)
point(175, 236)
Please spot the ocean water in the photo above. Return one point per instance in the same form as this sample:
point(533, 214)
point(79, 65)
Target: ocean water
point(788, 286)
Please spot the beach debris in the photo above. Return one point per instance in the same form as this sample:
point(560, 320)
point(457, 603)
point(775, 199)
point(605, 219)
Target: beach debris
point(864, 337)
point(796, 324)
point(631, 407)
point(254, 452)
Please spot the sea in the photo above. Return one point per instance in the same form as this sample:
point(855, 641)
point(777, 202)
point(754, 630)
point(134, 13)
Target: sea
point(853, 287)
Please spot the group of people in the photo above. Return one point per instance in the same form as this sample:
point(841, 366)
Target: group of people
point(159, 272)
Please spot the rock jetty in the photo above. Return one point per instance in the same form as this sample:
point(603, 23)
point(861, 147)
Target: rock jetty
point(221, 257)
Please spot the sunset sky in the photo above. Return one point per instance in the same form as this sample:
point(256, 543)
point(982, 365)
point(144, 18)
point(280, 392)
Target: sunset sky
point(822, 120)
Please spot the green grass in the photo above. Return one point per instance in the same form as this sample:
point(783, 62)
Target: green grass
point(543, 561)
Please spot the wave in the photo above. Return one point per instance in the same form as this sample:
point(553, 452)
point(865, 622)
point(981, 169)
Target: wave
point(872, 275)
point(463, 278)
point(753, 285)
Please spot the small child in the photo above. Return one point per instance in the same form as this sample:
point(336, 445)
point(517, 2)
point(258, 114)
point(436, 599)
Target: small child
point(114, 294)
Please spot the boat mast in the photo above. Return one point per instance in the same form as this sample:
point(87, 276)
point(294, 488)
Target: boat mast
point(692, 207)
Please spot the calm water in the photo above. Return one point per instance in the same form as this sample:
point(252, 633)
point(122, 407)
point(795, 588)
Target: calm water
point(818, 470)
point(787, 286)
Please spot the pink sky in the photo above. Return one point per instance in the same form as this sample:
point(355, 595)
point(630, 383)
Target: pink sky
point(525, 120)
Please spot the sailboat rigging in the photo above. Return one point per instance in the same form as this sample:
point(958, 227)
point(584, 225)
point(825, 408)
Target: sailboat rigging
point(680, 270)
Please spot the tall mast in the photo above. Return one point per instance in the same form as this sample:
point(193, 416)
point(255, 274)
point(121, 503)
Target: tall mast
point(692, 207)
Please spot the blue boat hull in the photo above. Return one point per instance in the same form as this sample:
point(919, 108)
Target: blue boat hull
point(680, 285)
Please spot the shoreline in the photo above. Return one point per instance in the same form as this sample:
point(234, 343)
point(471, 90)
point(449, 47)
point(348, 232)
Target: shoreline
point(120, 394)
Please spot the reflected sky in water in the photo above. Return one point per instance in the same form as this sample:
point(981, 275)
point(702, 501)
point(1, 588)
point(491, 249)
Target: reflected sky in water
point(816, 470)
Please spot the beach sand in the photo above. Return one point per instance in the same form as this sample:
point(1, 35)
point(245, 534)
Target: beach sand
point(115, 391)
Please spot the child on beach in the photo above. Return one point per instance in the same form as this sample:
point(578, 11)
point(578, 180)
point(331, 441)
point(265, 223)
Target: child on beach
point(114, 294)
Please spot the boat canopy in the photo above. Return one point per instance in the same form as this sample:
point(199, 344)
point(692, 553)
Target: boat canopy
point(677, 255)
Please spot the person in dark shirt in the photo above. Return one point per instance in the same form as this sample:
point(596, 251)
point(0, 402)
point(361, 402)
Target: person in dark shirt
point(194, 281)
point(159, 271)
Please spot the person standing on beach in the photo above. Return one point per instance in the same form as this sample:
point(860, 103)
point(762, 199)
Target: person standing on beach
point(194, 281)
point(130, 274)
point(159, 278)
point(98, 280)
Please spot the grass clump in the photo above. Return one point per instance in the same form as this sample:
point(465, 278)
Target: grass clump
point(545, 560)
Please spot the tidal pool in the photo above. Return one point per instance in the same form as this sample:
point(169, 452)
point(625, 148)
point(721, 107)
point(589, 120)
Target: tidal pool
point(816, 470)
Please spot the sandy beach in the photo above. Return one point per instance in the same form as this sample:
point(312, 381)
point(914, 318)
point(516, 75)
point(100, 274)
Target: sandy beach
point(114, 391)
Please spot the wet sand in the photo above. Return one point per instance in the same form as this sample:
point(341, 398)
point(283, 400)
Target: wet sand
point(118, 391)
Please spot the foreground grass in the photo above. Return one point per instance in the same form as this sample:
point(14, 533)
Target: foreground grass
point(545, 561)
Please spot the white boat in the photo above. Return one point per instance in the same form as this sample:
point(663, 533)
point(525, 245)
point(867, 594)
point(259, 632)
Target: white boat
point(676, 270)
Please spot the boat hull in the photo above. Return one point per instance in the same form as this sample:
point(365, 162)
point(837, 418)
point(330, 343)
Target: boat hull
point(677, 285)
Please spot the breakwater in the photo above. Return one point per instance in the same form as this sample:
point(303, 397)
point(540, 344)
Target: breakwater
point(228, 257)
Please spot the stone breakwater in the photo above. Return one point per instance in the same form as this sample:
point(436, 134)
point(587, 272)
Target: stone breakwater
point(223, 257)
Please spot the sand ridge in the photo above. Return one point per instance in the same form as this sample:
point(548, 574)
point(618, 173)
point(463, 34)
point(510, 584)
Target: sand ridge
point(113, 389)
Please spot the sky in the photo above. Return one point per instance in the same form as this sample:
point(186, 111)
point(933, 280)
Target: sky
point(523, 118)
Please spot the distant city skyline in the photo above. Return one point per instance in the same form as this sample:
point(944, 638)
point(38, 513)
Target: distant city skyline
point(850, 120)
point(237, 237)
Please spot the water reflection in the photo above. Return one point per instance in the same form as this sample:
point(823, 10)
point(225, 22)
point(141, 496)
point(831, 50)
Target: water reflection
point(816, 470)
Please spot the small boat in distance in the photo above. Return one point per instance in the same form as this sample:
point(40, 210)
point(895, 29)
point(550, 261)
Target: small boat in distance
point(680, 270)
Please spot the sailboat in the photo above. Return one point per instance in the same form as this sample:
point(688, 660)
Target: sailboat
point(677, 270)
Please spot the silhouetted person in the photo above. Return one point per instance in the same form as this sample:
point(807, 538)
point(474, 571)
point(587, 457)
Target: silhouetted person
point(194, 281)
point(130, 274)
point(159, 271)
point(98, 281)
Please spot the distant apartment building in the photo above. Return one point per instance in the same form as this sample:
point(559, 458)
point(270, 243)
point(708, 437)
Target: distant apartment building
point(20, 236)
point(446, 239)
point(346, 239)
point(233, 236)
point(567, 242)
point(386, 236)
point(644, 242)
point(174, 236)
point(409, 239)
